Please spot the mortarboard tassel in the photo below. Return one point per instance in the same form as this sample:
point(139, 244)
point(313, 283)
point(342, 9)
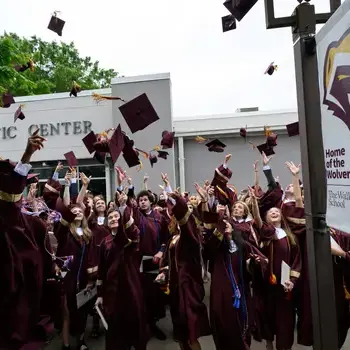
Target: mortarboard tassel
point(31, 65)
point(140, 167)
point(143, 153)
point(222, 192)
point(346, 292)
point(200, 139)
point(273, 279)
point(267, 131)
point(156, 148)
point(98, 98)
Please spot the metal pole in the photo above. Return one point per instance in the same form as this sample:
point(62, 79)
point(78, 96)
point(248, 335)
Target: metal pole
point(313, 167)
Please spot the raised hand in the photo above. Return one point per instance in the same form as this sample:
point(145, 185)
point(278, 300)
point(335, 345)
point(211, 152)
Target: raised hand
point(68, 178)
point(265, 158)
point(84, 179)
point(122, 198)
point(227, 158)
point(202, 192)
point(165, 178)
point(59, 167)
point(251, 192)
point(256, 166)
point(145, 178)
point(34, 143)
point(293, 168)
point(211, 191)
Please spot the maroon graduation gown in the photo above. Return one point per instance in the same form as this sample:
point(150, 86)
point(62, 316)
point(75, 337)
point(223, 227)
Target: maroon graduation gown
point(229, 324)
point(120, 287)
point(296, 220)
point(83, 267)
point(188, 311)
point(24, 266)
point(154, 235)
point(279, 312)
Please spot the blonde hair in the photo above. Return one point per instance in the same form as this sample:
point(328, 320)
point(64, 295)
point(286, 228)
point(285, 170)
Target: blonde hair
point(245, 206)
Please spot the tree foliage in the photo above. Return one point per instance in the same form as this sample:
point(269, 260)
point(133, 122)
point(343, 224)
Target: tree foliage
point(57, 65)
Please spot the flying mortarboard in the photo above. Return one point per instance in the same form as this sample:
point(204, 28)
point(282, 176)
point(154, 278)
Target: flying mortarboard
point(271, 69)
point(163, 154)
point(131, 156)
point(293, 129)
point(71, 159)
point(22, 68)
point(215, 146)
point(228, 23)
point(56, 24)
point(32, 178)
point(89, 140)
point(139, 113)
point(19, 114)
point(243, 132)
point(167, 139)
point(7, 100)
point(153, 159)
point(100, 157)
point(271, 137)
point(239, 8)
point(116, 144)
point(76, 88)
point(268, 150)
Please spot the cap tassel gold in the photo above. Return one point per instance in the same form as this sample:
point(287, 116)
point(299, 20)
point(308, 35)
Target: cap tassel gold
point(200, 139)
point(267, 131)
point(31, 65)
point(143, 153)
point(140, 167)
point(98, 98)
point(76, 86)
point(222, 192)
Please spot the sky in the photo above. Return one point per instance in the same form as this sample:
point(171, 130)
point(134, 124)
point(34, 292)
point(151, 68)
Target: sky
point(211, 72)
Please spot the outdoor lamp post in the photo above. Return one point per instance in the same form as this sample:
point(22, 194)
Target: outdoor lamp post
point(303, 22)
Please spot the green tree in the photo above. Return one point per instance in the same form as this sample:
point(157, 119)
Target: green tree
point(57, 65)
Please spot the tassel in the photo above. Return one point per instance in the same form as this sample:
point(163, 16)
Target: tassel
point(222, 192)
point(252, 145)
point(143, 153)
point(347, 294)
point(273, 279)
point(76, 86)
point(140, 167)
point(200, 139)
point(98, 98)
point(165, 288)
point(31, 65)
point(267, 131)
point(156, 148)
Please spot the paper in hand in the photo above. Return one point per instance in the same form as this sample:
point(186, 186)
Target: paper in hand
point(285, 273)
point(83, 297)
point(103, 320)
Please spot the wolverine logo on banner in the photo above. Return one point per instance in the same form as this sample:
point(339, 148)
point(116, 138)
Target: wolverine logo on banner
point(336, 78)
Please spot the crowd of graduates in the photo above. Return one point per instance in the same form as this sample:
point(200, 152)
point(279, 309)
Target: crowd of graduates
point(65, 255)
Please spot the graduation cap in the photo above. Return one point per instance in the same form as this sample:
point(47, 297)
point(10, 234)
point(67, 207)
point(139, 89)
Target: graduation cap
point(67, 215)
point(131, 156)
point(22, 68)
point(72, 161)
point(228, 23)
point(243, 132)
point(153, 159)
point(89, 140)
point(240, 8)
point(32, 178)
point(215, 146)
point(100, 157)
point(268, 150)
point(7, 100)
point(271, 69)
point(163, 154)
point(139, 113)
point(167, 139)
point(76, 88)
point(56, 24)
point(19, 114)
point(293, 129)
point(116, 144)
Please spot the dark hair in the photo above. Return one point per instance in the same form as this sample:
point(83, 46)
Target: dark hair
point(111, 210)
point(147, 194)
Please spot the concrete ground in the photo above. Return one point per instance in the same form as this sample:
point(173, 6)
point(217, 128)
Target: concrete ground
point(206, 342)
